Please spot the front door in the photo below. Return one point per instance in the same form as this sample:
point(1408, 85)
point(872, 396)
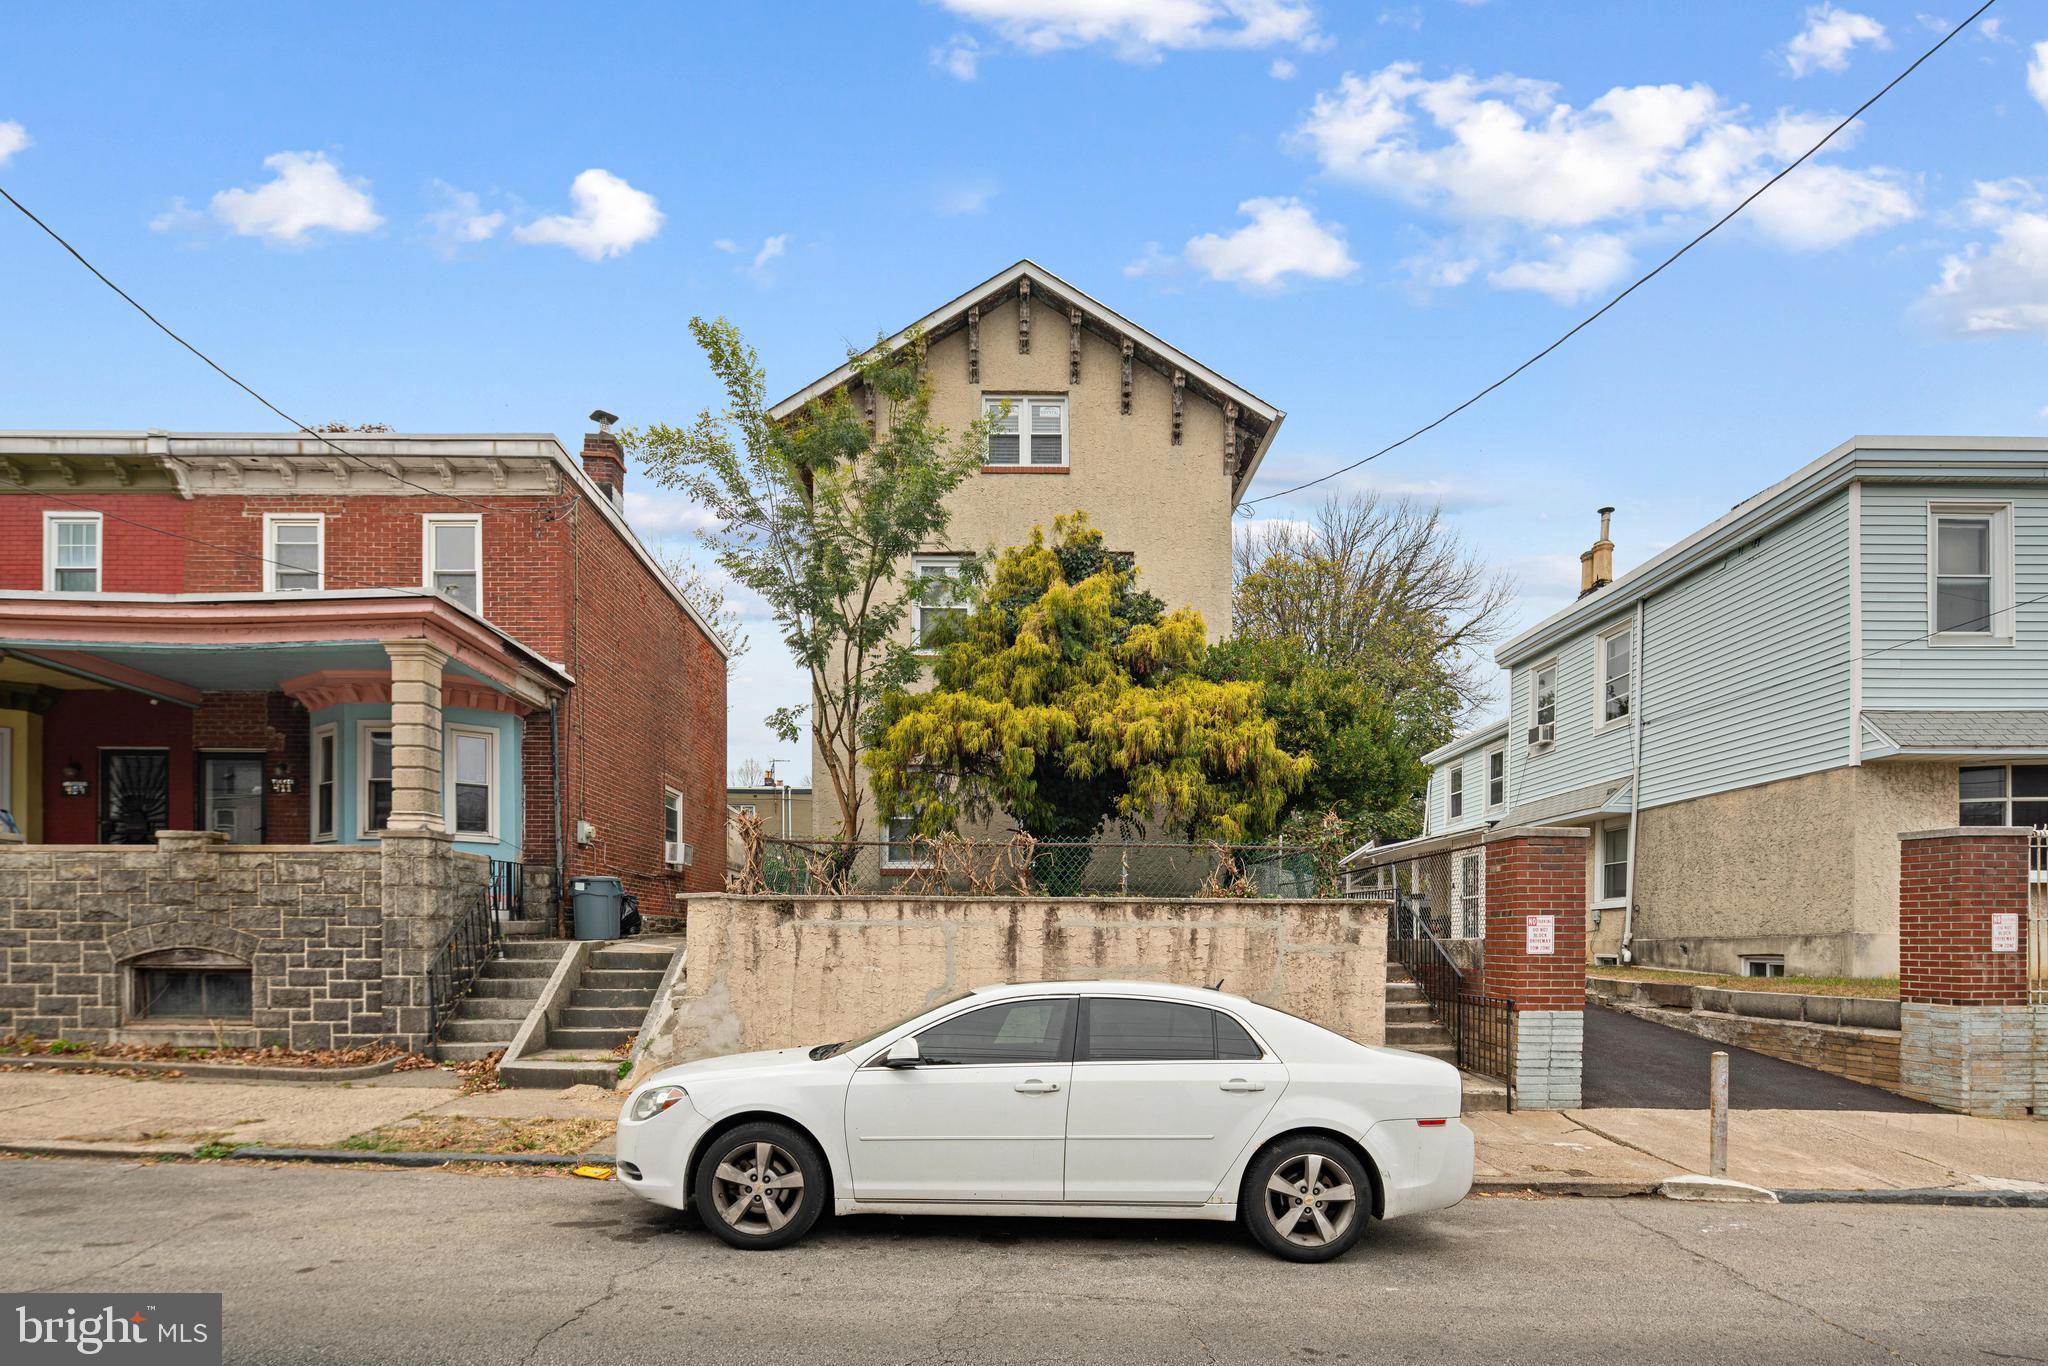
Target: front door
point(1166, 1095)
point(135, 795)
point(231, 796)
point(982, 1117)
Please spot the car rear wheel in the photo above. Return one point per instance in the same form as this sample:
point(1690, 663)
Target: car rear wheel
point(761, 1186)
point(1306, 1199)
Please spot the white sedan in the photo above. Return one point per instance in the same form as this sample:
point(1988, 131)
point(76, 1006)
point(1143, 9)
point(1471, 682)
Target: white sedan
point(1076, 1099)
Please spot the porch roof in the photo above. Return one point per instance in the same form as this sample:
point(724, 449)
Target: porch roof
point(176, 646)
point(1962, 734)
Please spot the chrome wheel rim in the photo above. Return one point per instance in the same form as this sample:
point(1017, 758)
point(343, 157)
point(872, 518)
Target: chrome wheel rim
point(758, 1188)
point(1311, 1200)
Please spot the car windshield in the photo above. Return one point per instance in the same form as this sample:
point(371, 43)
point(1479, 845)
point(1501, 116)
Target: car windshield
point(833, 1050)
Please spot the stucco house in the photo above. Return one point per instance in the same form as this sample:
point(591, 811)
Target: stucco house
point(277, 642)
point(1749, 719)
point(1103, 416)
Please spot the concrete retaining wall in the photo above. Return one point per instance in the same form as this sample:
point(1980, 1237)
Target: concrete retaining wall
point(770, 972)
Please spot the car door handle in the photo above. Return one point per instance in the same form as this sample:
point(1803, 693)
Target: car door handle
point(1240, 1084)
point(1035, 1087)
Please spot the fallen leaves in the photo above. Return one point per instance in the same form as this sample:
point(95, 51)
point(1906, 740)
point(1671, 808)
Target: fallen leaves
point(29, 1046)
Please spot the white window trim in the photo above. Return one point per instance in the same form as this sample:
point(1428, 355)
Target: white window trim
point(670, 798)
point(1454, 793)
point(888, 840)
point(427, 524)
point(363, 730)
point(1601, 722)
point(924, 564)
point(1486, 772)
point(991, 405)
point(1599, 853)
point(1535, 676)
point(273, 520)
point(51, 519)
point(330, 732)
point(489, 835)
point(2004, 619)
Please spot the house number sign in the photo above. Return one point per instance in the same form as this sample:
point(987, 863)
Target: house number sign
point(2005, 932)
point(1542, 934)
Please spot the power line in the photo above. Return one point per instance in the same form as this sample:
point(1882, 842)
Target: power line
point(1593, 317)
point(321, 437)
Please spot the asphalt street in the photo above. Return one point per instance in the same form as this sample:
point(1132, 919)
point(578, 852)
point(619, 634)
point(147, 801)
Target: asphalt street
point(350, 1265)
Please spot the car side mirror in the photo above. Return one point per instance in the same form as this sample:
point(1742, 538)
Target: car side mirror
point(902, 1053)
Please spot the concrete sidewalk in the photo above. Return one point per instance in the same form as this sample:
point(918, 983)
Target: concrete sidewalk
point(1592, 1152)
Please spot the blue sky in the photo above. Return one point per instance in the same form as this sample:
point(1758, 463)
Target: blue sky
point(461, 218)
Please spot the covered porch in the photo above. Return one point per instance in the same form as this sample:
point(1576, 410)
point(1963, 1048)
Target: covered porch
point(300, 718)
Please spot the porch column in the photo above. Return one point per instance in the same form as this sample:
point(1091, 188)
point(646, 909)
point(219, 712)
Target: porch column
point(1967, 1037)
point(1536, 956)
point(415, 734)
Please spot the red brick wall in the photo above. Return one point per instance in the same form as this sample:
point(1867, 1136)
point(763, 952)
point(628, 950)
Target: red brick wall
point(276, 727)
point(1950, 886)
point(136, 556)
point(75, 729)
point(1537, 874)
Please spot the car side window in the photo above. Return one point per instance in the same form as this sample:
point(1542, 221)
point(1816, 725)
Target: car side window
point(1034, 1030)
point(1122, 1030)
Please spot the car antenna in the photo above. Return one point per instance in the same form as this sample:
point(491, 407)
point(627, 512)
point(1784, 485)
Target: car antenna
point(1218, 986)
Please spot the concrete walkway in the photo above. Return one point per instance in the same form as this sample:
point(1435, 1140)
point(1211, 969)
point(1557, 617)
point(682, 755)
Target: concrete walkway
point(1636, 1064)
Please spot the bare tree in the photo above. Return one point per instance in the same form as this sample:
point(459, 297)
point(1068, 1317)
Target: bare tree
point(1378, 586)
point(748, 774)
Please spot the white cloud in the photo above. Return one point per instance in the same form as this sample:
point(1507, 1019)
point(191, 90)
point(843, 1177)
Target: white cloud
point(1830, 32)
point(770, 250)
point(1282, 239)
point(2000, 286)
point(2037, 80)
point(1506, 159)
point(961, 201)
point(306, 194)
point(13, 137)
point(959, 58)
point(657, 515)
point(1575, 267)
point(1140, 30)
point(1282, 69)
point(460, 220)
point(178, 216)
point(611, 218)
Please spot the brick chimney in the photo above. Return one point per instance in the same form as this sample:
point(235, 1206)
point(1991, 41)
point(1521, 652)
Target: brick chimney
point(604, 460)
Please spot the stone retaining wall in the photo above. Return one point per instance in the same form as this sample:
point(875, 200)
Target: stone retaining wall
point(770, 972)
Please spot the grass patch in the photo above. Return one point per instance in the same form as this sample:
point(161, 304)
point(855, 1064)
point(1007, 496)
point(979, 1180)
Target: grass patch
point(464, 1134)
point(1885, 988)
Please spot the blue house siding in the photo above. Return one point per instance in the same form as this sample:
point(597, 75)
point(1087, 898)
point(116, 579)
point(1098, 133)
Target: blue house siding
point(347, 721)
point(1584, 752)
point(1911, 672)
point(1746, 664)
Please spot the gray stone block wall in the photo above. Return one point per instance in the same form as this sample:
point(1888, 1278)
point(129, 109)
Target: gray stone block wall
point(1550, 1052)
point(1981, 1060)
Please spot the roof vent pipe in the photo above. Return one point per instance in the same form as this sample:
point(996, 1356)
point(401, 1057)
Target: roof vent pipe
point(1603, 551)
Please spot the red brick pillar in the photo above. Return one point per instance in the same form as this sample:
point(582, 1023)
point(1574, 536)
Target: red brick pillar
point(1968, 1039)
point(1536, 956)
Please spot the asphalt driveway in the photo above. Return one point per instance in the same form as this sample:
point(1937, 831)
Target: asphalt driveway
point(1634, 1064)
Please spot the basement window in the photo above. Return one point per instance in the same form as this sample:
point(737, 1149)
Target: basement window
point(1764, 965)
point(188, 984)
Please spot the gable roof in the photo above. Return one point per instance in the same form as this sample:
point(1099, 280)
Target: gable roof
point(1260, 419)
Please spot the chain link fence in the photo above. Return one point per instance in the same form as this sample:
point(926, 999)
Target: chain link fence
point(959, 865)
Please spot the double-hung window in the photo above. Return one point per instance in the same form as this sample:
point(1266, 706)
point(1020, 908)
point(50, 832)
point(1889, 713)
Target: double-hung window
point(1496, 779)
point(454, 557)
point(1543, 704)
point(294, 552)
point(671, 826)
point(472, 795)
point(1454, 801)
point(940, 611)
point(1616, 675)
point(1613, 870)
point(71, 552)
point(1970, 590)
point(2003, 794)
point(906, 848)
point(373, 760)
point(324, 771)
point(1026, 432)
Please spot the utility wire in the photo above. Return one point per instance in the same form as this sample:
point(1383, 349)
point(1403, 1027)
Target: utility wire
point(1244, 508)
point(321, 437)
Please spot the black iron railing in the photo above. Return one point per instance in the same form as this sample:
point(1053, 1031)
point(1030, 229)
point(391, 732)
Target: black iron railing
point(1482, 1028)
point(472, 941)
point(508, 889)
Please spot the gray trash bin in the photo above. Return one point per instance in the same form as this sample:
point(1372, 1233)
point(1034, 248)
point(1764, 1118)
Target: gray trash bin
point(597, 902)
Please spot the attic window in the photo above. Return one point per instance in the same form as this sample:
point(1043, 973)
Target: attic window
point(1026, 431)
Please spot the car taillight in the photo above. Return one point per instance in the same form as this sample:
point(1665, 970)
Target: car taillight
point(1431, 1123)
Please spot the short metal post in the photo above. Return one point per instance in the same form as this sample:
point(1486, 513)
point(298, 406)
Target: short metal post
point(1717, 1099)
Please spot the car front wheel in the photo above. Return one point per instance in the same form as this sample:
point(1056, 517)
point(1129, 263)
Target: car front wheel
point(1306, 1199)
point(761, 1186)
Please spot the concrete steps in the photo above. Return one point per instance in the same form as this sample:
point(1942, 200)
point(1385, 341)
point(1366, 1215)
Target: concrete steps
point(584, 1027)
point(1412, 1025)
point(505, 992)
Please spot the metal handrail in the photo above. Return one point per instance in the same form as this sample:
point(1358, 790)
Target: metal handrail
point(1481, 1027)
point(471, 942)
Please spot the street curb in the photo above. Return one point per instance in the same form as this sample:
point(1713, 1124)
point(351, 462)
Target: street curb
point(204, 1071)
point(1595, 1190)
point(412, 1159)
point(127, 1152)
point(1984, 1199)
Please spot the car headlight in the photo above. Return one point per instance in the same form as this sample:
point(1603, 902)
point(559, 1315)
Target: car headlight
point(655, 1099)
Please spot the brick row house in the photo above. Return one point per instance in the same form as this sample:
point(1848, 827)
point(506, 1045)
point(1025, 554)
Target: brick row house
point(288, 644)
